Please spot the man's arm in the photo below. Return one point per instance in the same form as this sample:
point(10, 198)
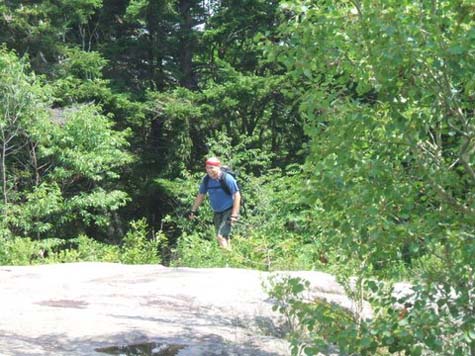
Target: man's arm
point(236, 206)
point(198, 200)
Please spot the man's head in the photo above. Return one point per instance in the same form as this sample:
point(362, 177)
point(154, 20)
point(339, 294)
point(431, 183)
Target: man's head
point(213, 167)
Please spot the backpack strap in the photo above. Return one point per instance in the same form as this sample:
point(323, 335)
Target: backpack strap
point(224, 185)
point(206, 181)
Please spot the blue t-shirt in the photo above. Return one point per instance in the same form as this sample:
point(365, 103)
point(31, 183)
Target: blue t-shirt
point(219, 199)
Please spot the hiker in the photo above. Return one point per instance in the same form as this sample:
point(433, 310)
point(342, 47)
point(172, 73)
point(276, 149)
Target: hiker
point(225, 200)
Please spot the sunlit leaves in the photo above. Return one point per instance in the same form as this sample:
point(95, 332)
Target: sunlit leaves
point(57, 165)
point(386, 95)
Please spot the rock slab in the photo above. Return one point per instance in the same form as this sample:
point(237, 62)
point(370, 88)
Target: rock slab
point(89, 308)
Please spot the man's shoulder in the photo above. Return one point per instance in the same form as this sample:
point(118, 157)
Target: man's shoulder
point(228, 178)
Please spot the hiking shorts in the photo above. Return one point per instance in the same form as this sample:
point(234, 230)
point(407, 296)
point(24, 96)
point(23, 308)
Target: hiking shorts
point(222, 223)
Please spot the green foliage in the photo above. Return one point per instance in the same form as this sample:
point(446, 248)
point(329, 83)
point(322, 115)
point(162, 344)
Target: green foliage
point(376, 97)
point(245, 158)
point(177, 113)
point(84, 150)
point(253, 112)
point(137, 248)
point(384, 160)
point(78, 78)
point(195, 251)
point(22, 111)
point(230, 32)
point(81, 249)
point(81, 65)
point(25, 251)
point(270, 235)
point(43, 28)
point(36, 215)
point(70, 178)
point(17, 251)
point(94, 206)
point(388, 102)
point(87, 145)
point(285, 293)
point(318, 326)
point(137, 10)
point(56, 166)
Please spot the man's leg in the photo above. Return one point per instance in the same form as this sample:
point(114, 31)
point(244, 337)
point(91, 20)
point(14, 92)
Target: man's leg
point(222, 223)
point(224, 242)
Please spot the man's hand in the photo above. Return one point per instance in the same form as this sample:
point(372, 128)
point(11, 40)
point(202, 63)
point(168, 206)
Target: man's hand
point(192, 214)
point(233, 219)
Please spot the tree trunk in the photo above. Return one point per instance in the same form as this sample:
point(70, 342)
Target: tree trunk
point(187, 40)
point(4, 174)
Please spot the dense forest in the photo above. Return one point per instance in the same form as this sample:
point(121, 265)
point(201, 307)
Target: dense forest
point(350, 125)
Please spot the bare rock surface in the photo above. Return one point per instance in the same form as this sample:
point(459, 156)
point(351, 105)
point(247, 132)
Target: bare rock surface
point(94, 308)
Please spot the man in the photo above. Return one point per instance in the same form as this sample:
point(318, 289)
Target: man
point(224, 202)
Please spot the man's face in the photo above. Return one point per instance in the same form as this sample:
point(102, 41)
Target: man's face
point(213, 171)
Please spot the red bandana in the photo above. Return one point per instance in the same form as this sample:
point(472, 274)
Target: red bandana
point(213, 163)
